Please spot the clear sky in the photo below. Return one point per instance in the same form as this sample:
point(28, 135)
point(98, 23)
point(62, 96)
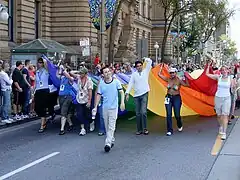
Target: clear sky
point(235, 23)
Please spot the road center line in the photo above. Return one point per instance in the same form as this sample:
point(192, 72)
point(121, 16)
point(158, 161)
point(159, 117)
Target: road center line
point(28, 166)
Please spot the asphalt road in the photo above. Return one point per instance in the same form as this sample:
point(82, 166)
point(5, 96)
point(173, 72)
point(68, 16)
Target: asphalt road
point(27, 155)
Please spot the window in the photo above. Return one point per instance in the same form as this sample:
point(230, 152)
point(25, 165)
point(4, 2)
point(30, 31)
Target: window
point(11, 20)
point(143, 34)
point(37, 11)
point(149, 9)
point(143, 8)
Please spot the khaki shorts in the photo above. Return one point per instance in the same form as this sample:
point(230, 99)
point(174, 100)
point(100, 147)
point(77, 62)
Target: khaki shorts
point(223, 105)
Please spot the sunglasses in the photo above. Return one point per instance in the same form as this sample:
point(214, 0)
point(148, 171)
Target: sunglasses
point(40, 62)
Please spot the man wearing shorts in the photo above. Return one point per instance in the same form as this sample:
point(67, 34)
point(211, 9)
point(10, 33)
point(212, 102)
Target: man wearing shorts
point(17, 88)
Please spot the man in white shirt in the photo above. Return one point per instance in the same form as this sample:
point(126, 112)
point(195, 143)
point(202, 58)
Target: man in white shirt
point(6, 83)
point(139, 82)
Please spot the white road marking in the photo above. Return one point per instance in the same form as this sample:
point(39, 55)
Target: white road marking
point(28, 166)
point(131, 118)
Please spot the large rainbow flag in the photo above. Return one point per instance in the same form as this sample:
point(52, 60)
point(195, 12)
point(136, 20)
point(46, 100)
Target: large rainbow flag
point(198, 99)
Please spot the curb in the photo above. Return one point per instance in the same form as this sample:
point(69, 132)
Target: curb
point(18, 123)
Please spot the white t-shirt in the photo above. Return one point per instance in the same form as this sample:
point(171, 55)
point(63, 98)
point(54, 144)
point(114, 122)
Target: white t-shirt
point(82, 94)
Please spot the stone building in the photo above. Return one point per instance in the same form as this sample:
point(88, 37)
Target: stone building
point(67, 21)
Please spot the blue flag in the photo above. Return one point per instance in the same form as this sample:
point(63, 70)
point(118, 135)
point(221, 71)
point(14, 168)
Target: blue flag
point(52, 69)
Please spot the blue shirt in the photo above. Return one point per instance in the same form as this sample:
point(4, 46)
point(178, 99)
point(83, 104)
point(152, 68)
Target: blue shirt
point(42, 77)
point(109, 93)
point(65, 87)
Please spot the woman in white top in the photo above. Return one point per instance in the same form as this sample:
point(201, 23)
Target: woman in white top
point(84, 99)
point(222, 98)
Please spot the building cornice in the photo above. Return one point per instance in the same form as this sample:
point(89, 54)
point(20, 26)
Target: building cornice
point(143, 21)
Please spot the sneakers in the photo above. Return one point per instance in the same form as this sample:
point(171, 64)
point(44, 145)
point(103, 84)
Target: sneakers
point(224, 136)
point(92, 126)
point(107, 148)
point(82, 132)
point(221, 130)
point(7, 121)
point(169, 134)
point(101, 134)
point(180, 129)
point(24, 117)
point(17, 117)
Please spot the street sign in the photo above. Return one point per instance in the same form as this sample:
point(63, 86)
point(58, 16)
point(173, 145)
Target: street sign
point(84, 42)
point(86, 51)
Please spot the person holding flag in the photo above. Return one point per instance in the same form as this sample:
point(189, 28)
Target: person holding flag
point(65, 97)
point(41, 92)
point(84, 99)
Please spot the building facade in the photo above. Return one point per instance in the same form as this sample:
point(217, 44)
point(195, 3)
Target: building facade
point(67, 21)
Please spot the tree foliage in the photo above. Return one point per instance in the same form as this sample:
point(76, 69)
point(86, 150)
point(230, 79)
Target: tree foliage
point(229, 47)
point(199, 18)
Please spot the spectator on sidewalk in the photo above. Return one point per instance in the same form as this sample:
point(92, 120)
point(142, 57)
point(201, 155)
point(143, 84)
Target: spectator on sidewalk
point(26, 89)
point(17, 88)
point(96, 60)
point(6, 83)
point(32, 76)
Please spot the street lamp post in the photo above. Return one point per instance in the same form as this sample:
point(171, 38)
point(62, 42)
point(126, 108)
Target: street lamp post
point(215, 40)
point(156, 46)
point(3, 13)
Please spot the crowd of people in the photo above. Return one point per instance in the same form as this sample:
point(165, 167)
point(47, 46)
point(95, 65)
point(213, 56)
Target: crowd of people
point(18, 84)
point(32, 86)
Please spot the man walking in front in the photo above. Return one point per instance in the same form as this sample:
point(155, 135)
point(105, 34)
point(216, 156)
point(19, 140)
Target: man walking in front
point(139, 82)
point(108, 88)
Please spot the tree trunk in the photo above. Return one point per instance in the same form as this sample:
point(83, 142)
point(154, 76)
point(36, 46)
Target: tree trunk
point(165, 36)
point(164, 41)
point(111, 45)
point(113, 30)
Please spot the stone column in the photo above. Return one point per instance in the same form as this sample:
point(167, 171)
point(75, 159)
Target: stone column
point(25, 17)
point(71, 21)
point(46, 19)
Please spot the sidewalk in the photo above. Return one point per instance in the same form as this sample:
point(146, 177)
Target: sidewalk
point(227, 164)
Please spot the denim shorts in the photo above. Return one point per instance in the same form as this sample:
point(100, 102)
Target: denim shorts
point(223, 105)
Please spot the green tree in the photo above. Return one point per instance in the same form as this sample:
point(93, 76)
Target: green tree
point(229, 47)
point(172, 8)
point(197, 17)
